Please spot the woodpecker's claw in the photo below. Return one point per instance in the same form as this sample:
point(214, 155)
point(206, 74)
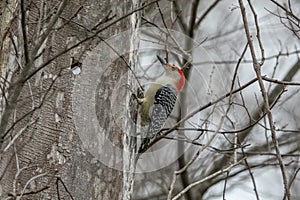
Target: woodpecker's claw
point(138, 100)
point(139, 97)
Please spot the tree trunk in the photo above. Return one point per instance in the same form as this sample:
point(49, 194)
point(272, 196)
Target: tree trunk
point(43, 155)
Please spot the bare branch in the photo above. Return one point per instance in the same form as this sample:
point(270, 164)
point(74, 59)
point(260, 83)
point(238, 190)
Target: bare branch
point(65, 187)
point(285, 10)
point(292, 83)
point(207, 178)
point(28, 182)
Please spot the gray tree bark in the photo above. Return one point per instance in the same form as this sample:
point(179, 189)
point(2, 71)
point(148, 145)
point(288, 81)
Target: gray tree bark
point(42, 156)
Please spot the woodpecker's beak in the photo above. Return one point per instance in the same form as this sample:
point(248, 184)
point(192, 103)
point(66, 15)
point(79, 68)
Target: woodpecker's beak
point(162, 61)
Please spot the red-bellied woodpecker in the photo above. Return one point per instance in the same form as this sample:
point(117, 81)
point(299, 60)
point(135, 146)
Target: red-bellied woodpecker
point(159, 101)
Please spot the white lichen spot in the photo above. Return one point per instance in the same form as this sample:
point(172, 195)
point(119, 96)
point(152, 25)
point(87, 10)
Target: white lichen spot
point(76, 70)
point(57, 118)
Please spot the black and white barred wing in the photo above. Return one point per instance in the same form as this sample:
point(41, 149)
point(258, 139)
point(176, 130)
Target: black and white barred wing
point(165, 99)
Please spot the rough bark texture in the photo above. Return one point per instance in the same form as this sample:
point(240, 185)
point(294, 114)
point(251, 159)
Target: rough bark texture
point(51, 147)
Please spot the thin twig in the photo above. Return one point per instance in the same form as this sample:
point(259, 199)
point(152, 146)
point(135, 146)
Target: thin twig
point(258, 33)
point(18, 134)
point(250, 173)
point(60, 180)
point(32, 192)
point(207, 178)
point(292, 83)
point(182, 23)
point(206, 12)
point(24, 33)
point(225, 185)
point(28, 182)
point(285, 10)
point(296, 52)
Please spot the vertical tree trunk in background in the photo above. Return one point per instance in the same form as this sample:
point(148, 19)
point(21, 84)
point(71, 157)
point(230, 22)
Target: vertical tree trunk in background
point(48, 160)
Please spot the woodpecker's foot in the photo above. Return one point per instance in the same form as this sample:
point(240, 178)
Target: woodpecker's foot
point(140, 93)
point(139, 96)
point(138, 100)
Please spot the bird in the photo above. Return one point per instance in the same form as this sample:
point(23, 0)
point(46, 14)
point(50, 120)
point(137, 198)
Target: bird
point(159, 101)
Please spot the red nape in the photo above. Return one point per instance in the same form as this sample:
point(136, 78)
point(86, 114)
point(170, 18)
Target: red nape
point(181, 81)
